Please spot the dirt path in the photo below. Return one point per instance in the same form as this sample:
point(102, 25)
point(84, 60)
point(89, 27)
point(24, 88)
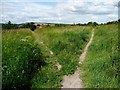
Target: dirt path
point(39, 42)
point(74, 81)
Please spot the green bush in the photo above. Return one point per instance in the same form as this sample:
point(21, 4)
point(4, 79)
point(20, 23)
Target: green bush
point(32, 27)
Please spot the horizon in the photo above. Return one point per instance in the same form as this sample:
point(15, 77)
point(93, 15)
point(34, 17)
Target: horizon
point(58, 23)
point(59, 11)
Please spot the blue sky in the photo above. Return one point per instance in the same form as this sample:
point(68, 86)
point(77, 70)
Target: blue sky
point(59, 11)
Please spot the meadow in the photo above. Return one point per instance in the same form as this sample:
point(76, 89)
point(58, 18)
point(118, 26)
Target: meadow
point(21, 59)
point(28, 63)
point(40, 58)
point(101, 66)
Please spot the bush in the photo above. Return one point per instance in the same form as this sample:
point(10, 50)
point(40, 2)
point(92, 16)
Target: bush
point(33, 27)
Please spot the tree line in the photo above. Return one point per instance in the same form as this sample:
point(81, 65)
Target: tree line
point(9, 25)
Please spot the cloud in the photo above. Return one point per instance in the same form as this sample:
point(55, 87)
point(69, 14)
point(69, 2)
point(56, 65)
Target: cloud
point(33, 0)
point(83, 10)
point(69, 11)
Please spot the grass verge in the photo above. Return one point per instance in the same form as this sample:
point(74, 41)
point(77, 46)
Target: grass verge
point(21, 59)
point(100, 68)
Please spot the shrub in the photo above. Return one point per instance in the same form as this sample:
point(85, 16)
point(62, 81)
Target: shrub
point(33, 27)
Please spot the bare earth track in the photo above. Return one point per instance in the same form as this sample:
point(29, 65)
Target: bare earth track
point(39, 42)
point(74, 81)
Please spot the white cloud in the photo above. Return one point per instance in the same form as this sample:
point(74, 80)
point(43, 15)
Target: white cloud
point(33, 1)
point(69, 11)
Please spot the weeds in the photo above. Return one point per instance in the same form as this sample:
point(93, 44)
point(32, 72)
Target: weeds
point(21, 59)
point(100, 66)
point(67, 44)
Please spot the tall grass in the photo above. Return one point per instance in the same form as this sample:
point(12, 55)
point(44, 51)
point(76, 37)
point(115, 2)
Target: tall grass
point(100, 69)
point(21, 59)
point(67, 44)
point(29, 65)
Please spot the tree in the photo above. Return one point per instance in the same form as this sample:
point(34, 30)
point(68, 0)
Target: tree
point(89, 23)
point(8, 26)
point(32, 23)
point(118, 20)
point(95, 24)
point(32, 27)
point(92, 23)
point(9, 23)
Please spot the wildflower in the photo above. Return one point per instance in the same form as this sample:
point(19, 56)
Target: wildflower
point(24, 40)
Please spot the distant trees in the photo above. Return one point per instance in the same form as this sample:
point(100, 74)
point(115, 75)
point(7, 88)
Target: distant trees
point(31, 25)
point(59, 25)
point(112, 22)
point(27, 25)
point(95, 23)
point(92, 23)
point(9, 25)
point(86, 24)
point(89, 23)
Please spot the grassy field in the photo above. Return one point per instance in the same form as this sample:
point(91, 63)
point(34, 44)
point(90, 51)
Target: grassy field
point(67, 44)
point(100, 69)
point(21, 58)
point(27, 62)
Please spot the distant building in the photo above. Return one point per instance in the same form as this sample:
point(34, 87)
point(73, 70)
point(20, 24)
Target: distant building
point(41, 25)
point(20, 25)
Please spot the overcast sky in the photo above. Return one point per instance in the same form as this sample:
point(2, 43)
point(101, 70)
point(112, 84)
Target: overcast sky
point(59, 11)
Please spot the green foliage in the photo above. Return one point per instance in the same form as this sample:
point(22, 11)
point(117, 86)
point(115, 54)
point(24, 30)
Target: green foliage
point(21, 59)
point(66, 44)
point(9, 25)
point(32, 27)
point(92, 24)
point(27, 25)
point(70, 41)
point(101, 67)
point(113, 22)
point(61, 25)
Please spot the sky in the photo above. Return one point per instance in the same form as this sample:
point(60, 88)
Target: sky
point(58, 11)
